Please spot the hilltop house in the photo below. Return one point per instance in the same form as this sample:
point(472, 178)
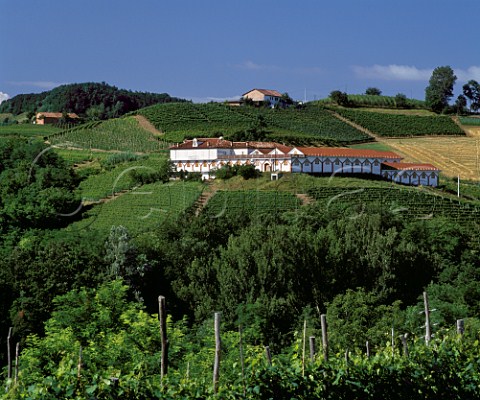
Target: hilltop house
point(206, 155)
point(258, 96)
point(45, 118)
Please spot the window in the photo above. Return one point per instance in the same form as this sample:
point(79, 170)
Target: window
point(375, 163)
point(296, 162)
point(317, 162)
point(196, 164)
point(423, 175)
point(188, 164)
point(357, 162)
point(307, 163)
point(337, 162)
point(204, 163)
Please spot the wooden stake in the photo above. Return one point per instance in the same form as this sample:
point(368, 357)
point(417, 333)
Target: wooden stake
point(162, 313)
point(79, 366)
point(304, 345)
point(405, 345)
point(268, 355)
point(323, 320)
point(313, 350)
point(9, 352)
point(428, 332)
point(367, 345)
point(242, 361)
point(17, 355)
point(218, 345)
point(460, 326)
point(393, 342)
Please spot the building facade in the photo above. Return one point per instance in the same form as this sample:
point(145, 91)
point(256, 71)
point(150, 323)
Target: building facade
point(206, 155)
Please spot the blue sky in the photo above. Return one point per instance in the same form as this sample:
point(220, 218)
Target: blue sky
point(217, 49)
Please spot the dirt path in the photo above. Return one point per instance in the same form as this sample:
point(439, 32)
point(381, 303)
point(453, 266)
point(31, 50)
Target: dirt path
point(147, 125)
point(305, 199)
point(356, 126)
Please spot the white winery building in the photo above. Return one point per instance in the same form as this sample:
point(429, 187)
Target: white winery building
point(206, 155)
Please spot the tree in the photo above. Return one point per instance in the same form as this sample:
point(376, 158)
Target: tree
point(341, 98)
point(471, 91)
point(460, 103)
point(373, 91)
point(401, 100)
point(36, 187)
point(440, 88)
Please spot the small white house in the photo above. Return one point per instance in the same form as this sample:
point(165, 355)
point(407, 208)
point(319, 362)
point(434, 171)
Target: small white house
point(263, 96)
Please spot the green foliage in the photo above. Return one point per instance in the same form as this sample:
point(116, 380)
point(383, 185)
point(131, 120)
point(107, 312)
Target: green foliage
point(95, 100)
point(440, 88)
point(402, 125)
point(36, 186)
point(474, 121)
point(373, 91)
point(341, 98)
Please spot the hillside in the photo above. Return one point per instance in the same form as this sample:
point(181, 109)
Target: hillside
point(307, 125)
point(92, 100)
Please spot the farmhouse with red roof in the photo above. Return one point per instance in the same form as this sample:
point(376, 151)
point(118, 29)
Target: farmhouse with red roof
point(206, 155)
point(263, 96)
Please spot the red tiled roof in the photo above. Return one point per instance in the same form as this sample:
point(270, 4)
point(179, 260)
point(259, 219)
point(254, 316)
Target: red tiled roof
point(203, 143)
point(266, 92)
point(410, 166)
point(347, 152)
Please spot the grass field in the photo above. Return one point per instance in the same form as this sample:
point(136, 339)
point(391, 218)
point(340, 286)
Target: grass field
point(453, 155)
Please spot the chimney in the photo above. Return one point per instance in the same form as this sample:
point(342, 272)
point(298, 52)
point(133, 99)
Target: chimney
point(195, 142)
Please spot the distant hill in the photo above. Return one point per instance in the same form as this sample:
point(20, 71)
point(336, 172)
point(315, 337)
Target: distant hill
point(96, 101)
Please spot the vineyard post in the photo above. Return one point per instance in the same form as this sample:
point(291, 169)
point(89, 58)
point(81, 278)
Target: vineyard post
point(268, 355)
point(218, 345)
point(304, 345)
point(460, 326)
point(313, 350)
point(367, 345)
point(405, 345)
point(393, 342)
point(428, 333)
point(17, 354)
point(163, 332)
point(323, 320)
point(9, 353)
point(242, 361)
point(79, 366)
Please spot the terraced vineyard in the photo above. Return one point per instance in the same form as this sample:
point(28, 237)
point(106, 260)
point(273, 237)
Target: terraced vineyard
point(251, 202)
point(398, 125)
point(142, 208)
point(180, 120)
point(123, 134)
point(409, 203)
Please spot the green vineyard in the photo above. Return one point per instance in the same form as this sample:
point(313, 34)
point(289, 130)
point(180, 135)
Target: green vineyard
point(396, 125)
point(142, 208)
point(180, 120)
point(409, 203)
point(250, 202)
point(124, 134)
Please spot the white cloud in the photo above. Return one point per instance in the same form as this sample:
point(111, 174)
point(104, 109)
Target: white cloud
point(393, 72)
point(471, 73)
point(252, 66)
point(39, 84)
point(3, 97)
